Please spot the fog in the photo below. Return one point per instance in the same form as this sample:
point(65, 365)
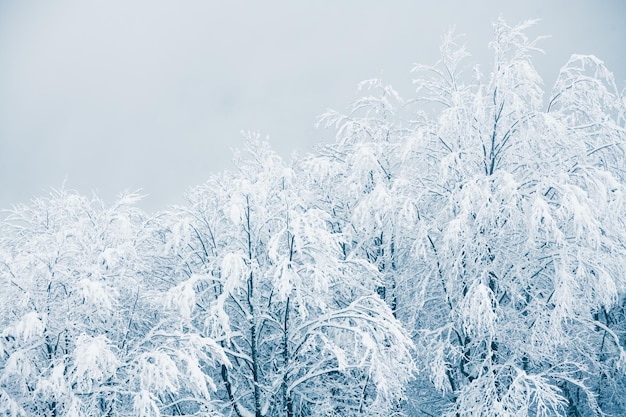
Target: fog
point(153, 95)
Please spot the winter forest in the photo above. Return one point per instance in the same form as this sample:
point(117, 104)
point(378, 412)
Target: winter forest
point(461, 252)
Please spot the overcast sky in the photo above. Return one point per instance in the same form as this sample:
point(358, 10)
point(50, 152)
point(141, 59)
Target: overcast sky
point(113, 95)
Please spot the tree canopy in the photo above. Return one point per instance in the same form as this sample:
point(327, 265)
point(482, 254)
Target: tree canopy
point(457, 253)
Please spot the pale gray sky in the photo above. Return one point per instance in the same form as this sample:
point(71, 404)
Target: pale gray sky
point(153, 94)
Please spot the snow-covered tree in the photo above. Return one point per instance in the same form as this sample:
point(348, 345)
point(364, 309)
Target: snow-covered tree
point(82, 328)
point(498, 218)
point(265, 275)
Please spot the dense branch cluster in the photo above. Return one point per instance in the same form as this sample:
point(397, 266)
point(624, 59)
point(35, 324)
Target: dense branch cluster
point(460, 253)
